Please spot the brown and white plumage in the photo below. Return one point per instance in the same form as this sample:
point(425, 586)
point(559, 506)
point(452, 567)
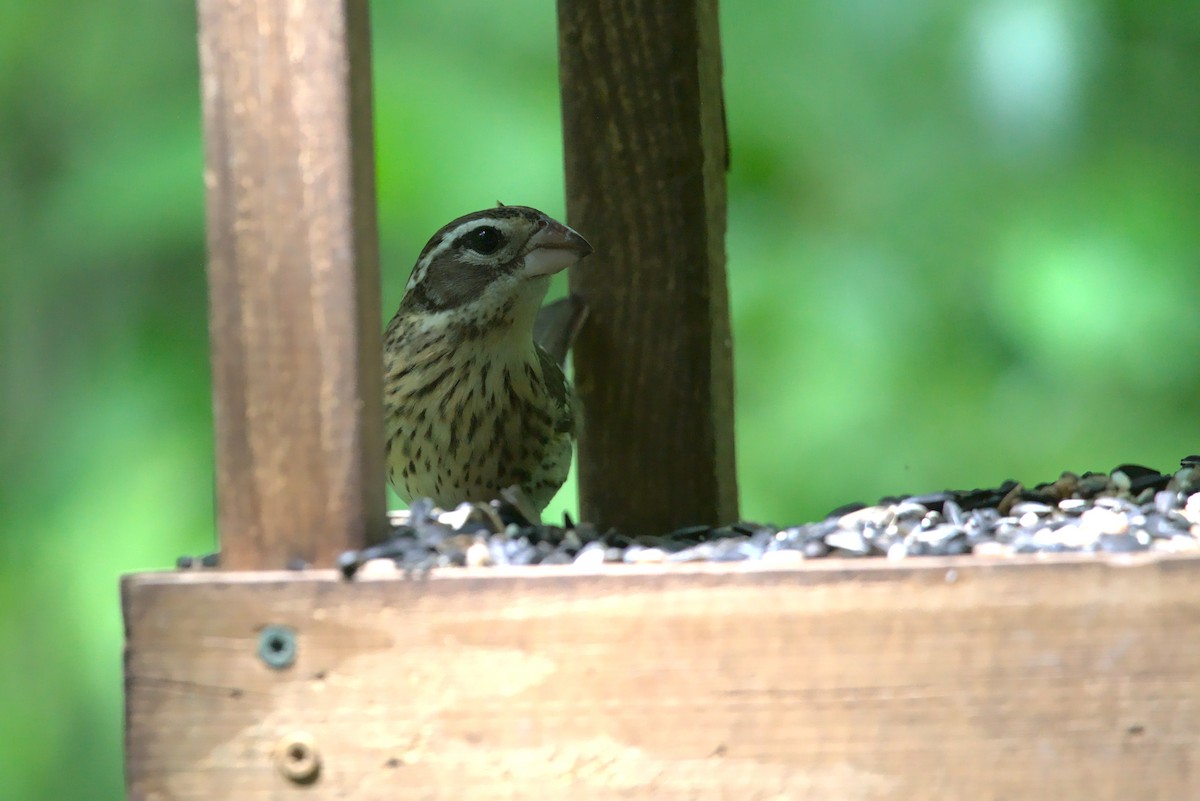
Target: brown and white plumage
point(472, 405)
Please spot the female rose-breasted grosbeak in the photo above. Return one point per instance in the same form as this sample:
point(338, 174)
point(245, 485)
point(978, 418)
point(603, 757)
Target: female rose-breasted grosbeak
point(472, 404)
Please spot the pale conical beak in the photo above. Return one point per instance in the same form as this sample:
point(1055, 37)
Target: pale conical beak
point(554, 248)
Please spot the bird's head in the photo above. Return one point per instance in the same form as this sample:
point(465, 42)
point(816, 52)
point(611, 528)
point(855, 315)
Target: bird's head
point(491, 268)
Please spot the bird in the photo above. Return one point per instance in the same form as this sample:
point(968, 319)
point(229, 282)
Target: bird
point(473, 406)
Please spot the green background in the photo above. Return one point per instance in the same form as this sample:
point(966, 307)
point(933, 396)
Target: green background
point(963, 246)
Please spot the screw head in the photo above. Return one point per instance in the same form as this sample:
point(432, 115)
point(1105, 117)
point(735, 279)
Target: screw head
point(277, 646)
point(297, 758)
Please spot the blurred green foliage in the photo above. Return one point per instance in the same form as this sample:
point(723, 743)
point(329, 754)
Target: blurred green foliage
point(963, 246)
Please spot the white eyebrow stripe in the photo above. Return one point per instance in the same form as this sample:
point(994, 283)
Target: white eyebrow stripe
point(496, 222)
point(450, 236)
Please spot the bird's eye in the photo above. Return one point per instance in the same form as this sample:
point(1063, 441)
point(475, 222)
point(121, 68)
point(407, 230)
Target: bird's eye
point(486, 240)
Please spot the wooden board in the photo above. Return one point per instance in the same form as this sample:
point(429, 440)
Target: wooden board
point(1066, 679)
point(293, 279)
point(646, 156)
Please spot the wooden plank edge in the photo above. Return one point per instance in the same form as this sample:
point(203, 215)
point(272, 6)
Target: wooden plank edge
point(815, 571)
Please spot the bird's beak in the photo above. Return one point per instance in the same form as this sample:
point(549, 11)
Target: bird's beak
point(552, 249)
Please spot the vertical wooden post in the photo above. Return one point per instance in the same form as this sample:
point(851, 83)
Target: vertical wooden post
point(646, 156)
point(294, 278)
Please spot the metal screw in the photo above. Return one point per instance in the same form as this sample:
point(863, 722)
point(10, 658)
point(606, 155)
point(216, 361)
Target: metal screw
point(277, 646)
point(297, 758)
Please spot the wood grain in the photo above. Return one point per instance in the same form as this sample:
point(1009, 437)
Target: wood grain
point(646, 156)
point(294, 279)
point(1060, 679)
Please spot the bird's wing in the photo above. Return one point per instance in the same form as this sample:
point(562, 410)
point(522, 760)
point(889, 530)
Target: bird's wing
point(557, 324)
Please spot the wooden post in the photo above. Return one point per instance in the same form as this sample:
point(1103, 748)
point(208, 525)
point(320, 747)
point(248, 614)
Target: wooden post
point(294, 279)
point(646, 157)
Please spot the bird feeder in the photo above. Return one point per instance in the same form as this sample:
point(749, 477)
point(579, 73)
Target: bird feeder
point(944, 678)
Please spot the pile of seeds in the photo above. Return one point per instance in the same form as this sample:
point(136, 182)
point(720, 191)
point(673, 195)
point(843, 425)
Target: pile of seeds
point(1131, 508)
